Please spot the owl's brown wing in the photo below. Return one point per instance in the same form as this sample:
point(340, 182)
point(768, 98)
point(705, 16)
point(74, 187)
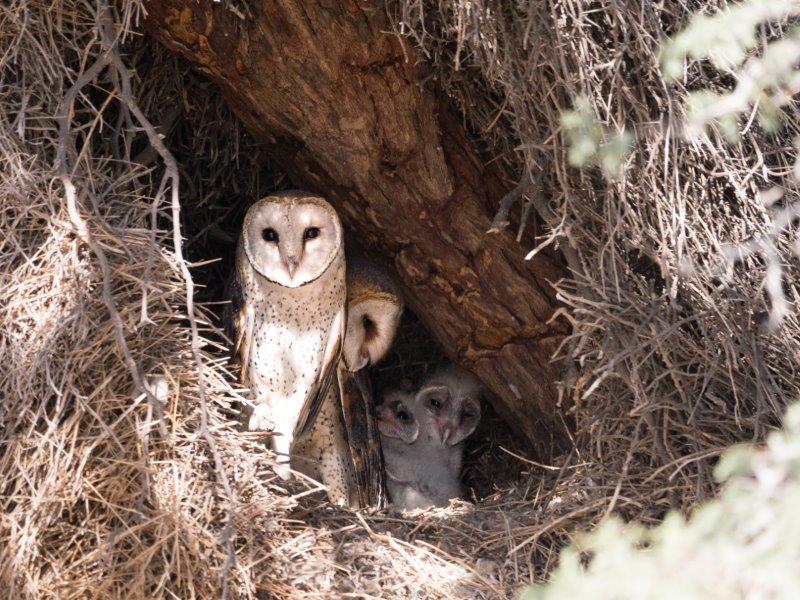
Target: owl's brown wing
point(327, 372)
point(363, 437)
point(239, 325)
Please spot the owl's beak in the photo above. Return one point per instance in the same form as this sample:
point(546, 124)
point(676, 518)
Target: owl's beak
point(446, 433)
point(363, 361)
point(291, 263)
point(446, 422)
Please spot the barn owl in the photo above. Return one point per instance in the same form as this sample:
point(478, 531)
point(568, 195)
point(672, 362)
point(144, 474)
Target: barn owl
point(288, 302)
point(422, 436)
point(396, 420)
point(374, 308)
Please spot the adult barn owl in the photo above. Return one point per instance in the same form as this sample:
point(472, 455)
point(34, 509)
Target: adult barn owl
point(374, 307)
point(288, 303)
point(323, 453)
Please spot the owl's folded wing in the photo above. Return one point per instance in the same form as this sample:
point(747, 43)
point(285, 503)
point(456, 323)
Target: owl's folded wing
point(239, 325)
point(327, 372)
point(363, 437)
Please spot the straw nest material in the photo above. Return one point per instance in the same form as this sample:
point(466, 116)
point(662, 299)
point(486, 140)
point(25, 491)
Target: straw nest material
point(123, 470)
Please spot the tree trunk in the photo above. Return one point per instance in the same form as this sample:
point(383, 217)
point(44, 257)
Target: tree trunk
point(341, 106)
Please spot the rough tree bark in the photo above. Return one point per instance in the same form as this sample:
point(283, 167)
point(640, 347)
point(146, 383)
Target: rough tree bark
point(340, 103)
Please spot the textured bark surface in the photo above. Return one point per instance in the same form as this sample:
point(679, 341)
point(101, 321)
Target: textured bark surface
point(340, 104)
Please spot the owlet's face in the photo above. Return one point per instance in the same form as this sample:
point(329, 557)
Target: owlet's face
point(291, 241)
point(448, 405)
point(395, 418)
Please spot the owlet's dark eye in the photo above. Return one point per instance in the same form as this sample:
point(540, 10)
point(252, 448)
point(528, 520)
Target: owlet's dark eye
point(310, 233)
point(435, 403)
point(269, 234)
point(403, 416)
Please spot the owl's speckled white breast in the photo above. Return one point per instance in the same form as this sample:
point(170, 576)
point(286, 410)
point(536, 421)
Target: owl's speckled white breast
point(291, 330)
point(288, 353)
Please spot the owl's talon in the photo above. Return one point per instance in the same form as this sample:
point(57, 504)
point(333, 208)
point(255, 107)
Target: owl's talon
point(261, 419)
point(283, 471)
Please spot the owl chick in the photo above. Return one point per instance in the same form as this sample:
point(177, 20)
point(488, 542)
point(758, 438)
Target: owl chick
point(422, 437)
point(420, 472)
point(374, 308)
point(288, 300)
point(450, 405)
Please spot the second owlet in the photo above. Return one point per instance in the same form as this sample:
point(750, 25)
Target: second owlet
point(374, 307)
point(289, 311)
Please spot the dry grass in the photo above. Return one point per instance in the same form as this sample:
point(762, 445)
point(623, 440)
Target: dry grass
point(122, 469)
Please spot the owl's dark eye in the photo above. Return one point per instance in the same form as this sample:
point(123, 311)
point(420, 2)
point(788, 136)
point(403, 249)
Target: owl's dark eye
point(269, 234)
point(310, 233)
point(403, 416)
point(435, 403)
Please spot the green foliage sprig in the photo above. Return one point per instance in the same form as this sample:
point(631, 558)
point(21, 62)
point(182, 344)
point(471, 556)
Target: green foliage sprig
point(726, 39)
point(589, 143)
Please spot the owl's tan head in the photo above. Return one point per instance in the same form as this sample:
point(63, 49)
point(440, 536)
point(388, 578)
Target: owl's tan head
point(291, 237)
point(374, 307)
